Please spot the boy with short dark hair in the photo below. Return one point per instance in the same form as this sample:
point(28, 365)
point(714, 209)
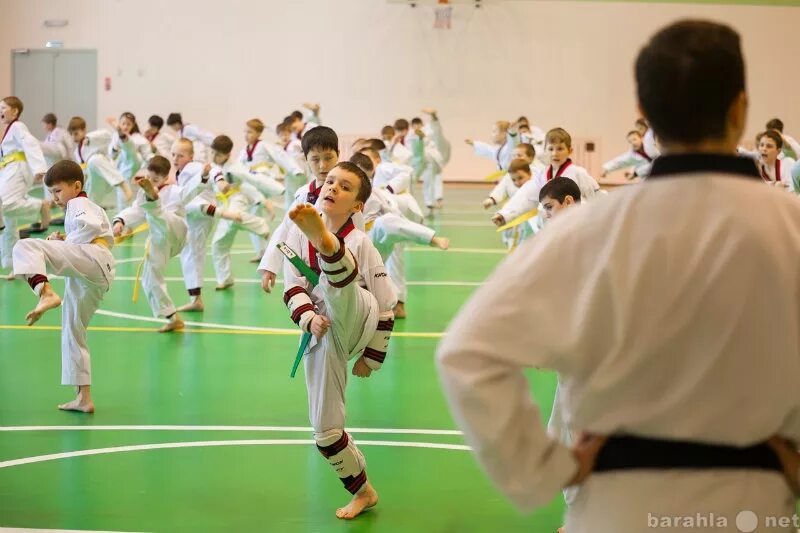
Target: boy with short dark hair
point(349, 313)
point(83, 256)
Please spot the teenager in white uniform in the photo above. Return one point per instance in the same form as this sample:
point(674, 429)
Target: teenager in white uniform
point(230, 180)
point(267, 158)
point(199, 223)
point(321, 150)
point(396, 152)
point(773, 169)
point(390, 231)
point(791, 148)
point(83, 257)
point(558, 145)
point(21, 160)
point(349, 314)
point(129, 150)
point(100, 174)
point(163, 206)
point(519, 173)
point(679, 373)
point(201, 138)
point(504, 139)
point(57, 144)
point(635, 158)
point(392, 177)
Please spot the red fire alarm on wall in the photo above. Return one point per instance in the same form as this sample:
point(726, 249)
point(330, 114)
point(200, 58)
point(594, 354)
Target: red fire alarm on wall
point(108, 83)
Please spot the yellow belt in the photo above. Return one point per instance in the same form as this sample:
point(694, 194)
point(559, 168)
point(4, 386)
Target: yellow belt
point(11, 158)
point(494, 176)
point(102, 242)
point(368, 225)
point(84, 165)
point(224, 197)
point(519, 220)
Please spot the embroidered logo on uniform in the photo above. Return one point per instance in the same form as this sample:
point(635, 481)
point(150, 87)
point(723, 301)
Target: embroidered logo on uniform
point(381, 275)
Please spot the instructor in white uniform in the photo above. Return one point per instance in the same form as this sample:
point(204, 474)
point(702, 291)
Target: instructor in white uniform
point(671, 312)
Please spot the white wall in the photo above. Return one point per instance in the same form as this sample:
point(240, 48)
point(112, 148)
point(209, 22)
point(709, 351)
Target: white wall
point(368, 61)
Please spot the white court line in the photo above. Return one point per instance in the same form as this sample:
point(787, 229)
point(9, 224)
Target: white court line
point(217, 443)
point(285, 429)
point(26, 530)
point(499, 251)
point(253, 281)
point(231, 327)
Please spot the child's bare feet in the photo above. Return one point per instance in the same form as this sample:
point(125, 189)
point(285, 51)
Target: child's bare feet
point(175, 323)
point(10, 277)
point(310, 223)
point(147, 186)
point(224, 286)
point(256, 258)
point(442, 243)
point(83, 403)
point(362, 500)
point(400, 310)
point(194, 306)
point(47, 300)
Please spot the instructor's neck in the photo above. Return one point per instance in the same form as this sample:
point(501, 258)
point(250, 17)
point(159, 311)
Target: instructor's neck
point(712, 146)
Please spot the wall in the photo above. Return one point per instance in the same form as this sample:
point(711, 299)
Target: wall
point(368, 61)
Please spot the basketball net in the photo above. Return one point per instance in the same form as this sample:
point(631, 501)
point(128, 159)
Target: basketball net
point(444, 15)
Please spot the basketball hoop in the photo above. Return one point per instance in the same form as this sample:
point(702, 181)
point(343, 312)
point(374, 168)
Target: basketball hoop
point(444, 15)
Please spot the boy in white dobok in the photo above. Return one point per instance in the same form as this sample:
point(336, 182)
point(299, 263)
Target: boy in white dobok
point(100, 174)
point(163, 206)
point(231, 180)
point(21, 160)
point(83, 257)
point(349, 314)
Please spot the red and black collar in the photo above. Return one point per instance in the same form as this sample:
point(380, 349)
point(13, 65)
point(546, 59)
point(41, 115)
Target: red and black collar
point(343, 232)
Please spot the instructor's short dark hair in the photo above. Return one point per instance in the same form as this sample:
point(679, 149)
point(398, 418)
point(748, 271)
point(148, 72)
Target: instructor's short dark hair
point(688, 76)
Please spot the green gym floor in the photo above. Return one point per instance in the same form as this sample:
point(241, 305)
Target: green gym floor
point(204, 430)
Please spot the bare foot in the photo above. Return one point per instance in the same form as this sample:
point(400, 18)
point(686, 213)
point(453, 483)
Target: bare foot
point(224, 286)
point(195, 306)
point(47, 300)
point(442, 243)
point(10, 277)
point(173, 325)
point(400, 310)
point(310, 222)
point(256, 258)
point(78, 404)
point(562, 529)
point(149, 189)
point(362, 500)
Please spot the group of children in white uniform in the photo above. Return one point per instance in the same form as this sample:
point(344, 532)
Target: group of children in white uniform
point(344, 220)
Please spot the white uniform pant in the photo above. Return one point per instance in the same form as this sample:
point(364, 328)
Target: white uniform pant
point(12, 214)
point(409, 207)
point(101, 178)
point(193, 255)
point(432, 188)
point(396, 268)
point(88, 270)
point(226, 232)
point(167, 238)
point(353, 313)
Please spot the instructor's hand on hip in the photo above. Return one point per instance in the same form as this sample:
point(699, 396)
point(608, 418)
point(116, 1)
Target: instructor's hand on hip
point(585, 451)
point(268, 281)
point(790, 459)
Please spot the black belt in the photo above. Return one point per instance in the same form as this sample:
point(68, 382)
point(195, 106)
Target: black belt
point(636, 453)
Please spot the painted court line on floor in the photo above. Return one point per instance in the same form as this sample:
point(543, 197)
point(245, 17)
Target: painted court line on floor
point(218, 443)
point(251, 329)
point(284, 429)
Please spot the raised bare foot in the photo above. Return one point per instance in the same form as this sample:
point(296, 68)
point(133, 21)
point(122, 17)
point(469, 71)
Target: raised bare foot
point(195, 306)
point(173, 325)
point(224, 286)
point(47, 300)
point(362, 500)
point(310, 223)
point(442, 243)
point(400, 310)
point(149, 189)
point(78, 404)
